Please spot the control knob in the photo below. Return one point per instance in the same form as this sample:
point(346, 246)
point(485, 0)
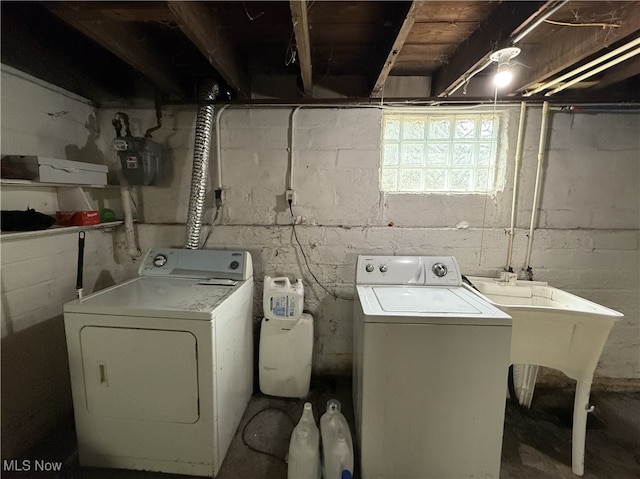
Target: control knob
point(159, 261)
point(383, 268)
point(439, 269)
point(369, 268)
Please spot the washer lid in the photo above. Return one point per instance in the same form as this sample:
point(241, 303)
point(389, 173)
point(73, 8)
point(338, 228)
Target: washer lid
point(428, 305)
point(423, 300)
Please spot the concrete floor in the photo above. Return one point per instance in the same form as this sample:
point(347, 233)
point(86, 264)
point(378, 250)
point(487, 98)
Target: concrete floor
point(533, 447)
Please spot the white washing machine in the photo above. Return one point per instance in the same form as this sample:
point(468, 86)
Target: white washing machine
point(162, 365)
point(430, 371)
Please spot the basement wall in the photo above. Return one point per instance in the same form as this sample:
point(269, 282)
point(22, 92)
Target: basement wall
point(39, 273)
point(586, 241)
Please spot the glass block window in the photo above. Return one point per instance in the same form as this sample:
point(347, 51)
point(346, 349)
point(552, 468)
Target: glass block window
point(440, 153)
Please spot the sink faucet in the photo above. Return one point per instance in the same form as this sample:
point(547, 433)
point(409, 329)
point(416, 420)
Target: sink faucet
point(507, 277)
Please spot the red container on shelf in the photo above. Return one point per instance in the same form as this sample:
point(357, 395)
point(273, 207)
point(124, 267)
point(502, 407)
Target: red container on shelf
point(77, 218)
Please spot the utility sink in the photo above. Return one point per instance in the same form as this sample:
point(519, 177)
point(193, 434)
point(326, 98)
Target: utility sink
point(555, 329)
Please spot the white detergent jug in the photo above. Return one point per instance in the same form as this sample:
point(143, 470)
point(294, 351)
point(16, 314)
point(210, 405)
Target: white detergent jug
point(337, 445)
point(304, 448)
point(281, 299)
point(284, 364)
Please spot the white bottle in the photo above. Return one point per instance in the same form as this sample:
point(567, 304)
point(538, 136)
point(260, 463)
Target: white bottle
point(337, 445)
point(281, 299)
point(304, 448)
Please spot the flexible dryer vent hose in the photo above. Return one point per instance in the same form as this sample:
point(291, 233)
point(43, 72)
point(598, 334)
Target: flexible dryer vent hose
point(209, 90)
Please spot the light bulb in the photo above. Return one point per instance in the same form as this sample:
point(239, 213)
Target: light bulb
point(502, 78)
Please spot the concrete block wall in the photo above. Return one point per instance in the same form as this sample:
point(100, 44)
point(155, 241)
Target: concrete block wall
point(38, 274)
point(38, 277)
point(586, 238)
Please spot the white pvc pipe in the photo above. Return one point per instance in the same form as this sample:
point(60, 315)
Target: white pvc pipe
point(129, 233)
point(219, 149)
point(584, 67)
point(534, 208)
point(590, 73)
point(291, 145)
point(518, 159)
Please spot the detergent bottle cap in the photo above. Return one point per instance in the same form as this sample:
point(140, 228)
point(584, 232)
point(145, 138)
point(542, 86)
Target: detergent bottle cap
point(333, 405)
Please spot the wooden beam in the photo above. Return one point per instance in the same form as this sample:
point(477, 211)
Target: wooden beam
point(38, 43)
point(470, 54)
point(91, 11)
point(392, 56)
point(566, 46)
point(126, 42)
point(440, 32)
point(204, 30)
point(303, 44)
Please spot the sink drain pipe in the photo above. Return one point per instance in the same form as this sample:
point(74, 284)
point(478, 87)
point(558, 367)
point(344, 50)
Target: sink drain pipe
point(209, 90)
point(536, 188)
point(516, 172)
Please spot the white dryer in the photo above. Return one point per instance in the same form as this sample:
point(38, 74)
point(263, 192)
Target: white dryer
point(162, 365)
point(430, 371)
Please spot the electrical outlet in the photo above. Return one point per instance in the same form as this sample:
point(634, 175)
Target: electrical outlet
point(290, 196)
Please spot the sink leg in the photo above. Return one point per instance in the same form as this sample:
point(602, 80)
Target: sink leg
point(580, 406)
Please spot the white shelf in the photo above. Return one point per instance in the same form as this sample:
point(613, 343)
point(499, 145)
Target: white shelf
point(47, 197)
point(38, 184)
point(53, 230)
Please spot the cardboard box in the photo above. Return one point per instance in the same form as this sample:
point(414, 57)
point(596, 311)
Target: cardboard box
point(77, 218)
point(53, 170)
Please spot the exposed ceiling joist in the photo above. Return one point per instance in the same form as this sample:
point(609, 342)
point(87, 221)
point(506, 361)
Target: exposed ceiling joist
point(566, 45)
point(124, 41)
point(147, 11)
point(303, 44)
point(494, 31)
point(27, 46)
point(263, 50)
point(201, 26)
point(405, 29)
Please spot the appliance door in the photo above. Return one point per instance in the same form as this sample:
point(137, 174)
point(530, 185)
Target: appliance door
point(423, 300)
point(431, 399)
point(427, 305)
point(140, 374)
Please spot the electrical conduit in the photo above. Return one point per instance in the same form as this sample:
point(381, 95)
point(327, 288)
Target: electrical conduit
point(219, 149)
point(291, 138)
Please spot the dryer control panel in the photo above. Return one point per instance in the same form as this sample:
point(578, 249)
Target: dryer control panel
point(201, 263)
point(418, 270)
